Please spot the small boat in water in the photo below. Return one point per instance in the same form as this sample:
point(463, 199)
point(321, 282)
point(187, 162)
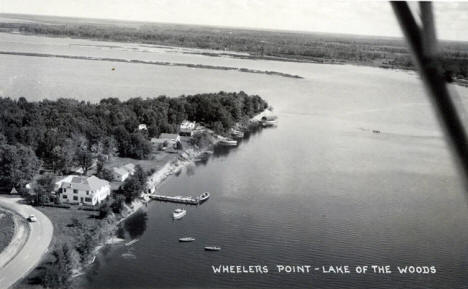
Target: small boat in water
point(92, 260)
point(228, 142)
point(203, 197)
point(212, 248)
point(179, 214)
point(186, 239)
point(128, 256)
point(268, 123)
point(269, 120)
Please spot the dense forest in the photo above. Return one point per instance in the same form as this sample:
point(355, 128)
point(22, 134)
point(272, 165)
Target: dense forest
point(65, 133)
point(292, 46)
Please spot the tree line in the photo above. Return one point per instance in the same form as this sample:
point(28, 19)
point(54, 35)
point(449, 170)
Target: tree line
point(65, 133)
point(385, 52)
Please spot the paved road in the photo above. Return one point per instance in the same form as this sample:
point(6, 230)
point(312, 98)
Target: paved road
point(36, 245)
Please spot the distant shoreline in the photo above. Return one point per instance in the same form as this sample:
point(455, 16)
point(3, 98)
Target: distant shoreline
point(162, 63)
point(215, 53)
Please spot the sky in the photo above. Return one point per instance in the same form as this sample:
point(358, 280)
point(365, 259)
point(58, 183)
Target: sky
point(348, 17)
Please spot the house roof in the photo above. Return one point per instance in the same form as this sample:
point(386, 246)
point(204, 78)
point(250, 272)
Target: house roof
point(125, 169)
point(120, 171)
point(129, 168)
point(85, 183)
point(168, 136)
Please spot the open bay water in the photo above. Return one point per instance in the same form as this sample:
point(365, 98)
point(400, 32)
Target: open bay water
point(320, 189)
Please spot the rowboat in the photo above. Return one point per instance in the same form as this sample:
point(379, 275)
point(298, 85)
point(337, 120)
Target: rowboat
point(212, 248)
point(203, 197)
point(186, 239)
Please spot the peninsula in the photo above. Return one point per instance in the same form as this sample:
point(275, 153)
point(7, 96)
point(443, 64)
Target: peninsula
point(87, 166)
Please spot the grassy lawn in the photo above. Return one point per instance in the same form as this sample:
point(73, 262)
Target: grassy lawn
point(7, 229)
point(158, 160)
point(63, 224)
point(64, 231)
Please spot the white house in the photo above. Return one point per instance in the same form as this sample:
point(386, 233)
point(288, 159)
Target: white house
point(82, 190)
point(186, 128)
point(142, 126)
point(123, 172)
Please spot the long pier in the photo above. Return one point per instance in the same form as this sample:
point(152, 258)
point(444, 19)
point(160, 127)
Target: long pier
point(176, 199)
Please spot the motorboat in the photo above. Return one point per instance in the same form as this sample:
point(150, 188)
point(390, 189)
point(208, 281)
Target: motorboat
point(186, 239)
point(212, 248)
point(203, 197)
point(269, 120)
point(179, 214)
point(268, 123)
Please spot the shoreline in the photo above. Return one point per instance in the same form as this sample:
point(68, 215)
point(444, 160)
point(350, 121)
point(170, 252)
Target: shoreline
point(153, 182)
point(229, 54)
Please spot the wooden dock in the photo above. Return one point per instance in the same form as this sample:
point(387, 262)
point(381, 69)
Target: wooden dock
point(176, 199)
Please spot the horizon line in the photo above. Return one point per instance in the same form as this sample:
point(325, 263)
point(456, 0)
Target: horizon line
point(344, 34)
point(211, 25)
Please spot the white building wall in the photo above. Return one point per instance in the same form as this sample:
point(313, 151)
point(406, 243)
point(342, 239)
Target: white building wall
point(87, 197)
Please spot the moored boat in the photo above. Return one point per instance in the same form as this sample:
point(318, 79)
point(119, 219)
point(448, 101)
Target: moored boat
point(268, 123)
point(186, 239)
point(228, 142)
point(269, 120)
point(212, 248)
point(203, 197)
point(179, 214)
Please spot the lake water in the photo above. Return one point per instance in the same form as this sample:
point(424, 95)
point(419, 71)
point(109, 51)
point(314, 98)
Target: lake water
point(320, 189)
